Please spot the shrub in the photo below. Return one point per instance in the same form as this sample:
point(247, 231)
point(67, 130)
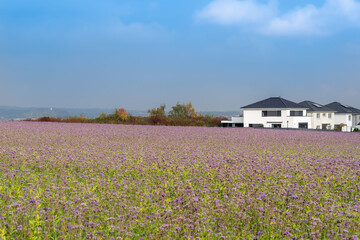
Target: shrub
point(160, 111)
point(158, 120)
point(121, 113)
point(183, 111)
point(49, 119)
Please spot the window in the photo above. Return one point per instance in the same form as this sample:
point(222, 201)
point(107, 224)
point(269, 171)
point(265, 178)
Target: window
point(271, 113)
point(296, 113)
point(303, 125)
point(349, 117)
point(329, 115)
point(324, 114)
point(318, 115)
point(255, 125)
point(318, 127)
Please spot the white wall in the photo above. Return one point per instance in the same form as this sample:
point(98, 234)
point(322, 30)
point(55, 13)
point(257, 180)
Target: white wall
point(233, 121)
point(237, 119)
point(356, 119)
point(318, 122)
point(254, 116)
point(343, 118)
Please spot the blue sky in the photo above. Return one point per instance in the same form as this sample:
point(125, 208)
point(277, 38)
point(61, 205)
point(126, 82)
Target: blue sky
point(219, 54)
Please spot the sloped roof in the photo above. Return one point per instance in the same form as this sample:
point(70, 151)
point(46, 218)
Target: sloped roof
point(275, 102)
point(315, 107)
point(341, 108)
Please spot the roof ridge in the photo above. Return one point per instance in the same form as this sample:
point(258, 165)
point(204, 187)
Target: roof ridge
point(282, 101)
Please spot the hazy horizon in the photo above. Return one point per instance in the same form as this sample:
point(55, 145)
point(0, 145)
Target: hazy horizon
point(218, 54)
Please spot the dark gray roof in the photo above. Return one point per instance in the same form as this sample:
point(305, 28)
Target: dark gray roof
point(275, 102)
point(341, 108)
point(315, 107)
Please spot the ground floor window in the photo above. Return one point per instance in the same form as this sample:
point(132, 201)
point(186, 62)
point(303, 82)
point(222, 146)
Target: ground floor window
point(325, 126)
point(303, 125)
point(255, 125)
point(276, 125)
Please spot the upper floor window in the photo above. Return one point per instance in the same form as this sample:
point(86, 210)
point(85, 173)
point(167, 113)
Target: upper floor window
point(318, 115)
point(271, 113)
point(324, 114)
point(296, 113)
point(349, 117)
point(329, 115)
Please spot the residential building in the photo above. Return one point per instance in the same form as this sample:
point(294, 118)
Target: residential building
point(321, 116)
point(276, 112)
point(346, 115)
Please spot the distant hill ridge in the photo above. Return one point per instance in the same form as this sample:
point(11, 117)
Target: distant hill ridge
point(11, 113)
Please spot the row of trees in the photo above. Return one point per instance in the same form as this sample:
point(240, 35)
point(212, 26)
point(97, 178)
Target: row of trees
point(179, 115)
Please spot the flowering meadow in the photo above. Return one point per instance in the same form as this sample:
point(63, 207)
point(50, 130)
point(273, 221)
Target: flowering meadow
point(93, 181)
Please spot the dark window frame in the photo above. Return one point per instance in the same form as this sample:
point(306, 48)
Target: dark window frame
point(274, 113)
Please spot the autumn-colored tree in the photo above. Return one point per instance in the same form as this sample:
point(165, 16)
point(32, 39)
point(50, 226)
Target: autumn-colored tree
point(160, 111)
point(121, 113)
point(183, 111)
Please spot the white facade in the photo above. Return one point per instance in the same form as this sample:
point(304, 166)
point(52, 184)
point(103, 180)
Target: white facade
point(322, 120)
point(356, 120)
point(344, 118)
point(255, 117)
point(349, 120)
point(234, 122)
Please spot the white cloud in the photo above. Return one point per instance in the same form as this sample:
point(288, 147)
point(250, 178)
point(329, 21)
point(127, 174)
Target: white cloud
point(334, 15)
point(303, 21)
point(237, 12)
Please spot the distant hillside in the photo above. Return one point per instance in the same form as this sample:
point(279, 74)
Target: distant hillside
point(11, 113)
point(227, 114)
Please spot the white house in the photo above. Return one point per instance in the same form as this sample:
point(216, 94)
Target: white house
point(321, 116)
point(346, 115)
point(276, 112)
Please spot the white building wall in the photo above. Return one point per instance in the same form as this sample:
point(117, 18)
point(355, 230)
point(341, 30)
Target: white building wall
point(356, 120)
point(343, 118)
point(318, 122)
point(237, 119)
point(233, 121)
point(254, 116)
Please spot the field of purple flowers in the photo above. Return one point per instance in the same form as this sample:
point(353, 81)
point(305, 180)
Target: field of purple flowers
point(78, 181)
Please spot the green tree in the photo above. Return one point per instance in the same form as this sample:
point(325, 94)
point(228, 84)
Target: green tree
point(183, 111)
point(160, 111)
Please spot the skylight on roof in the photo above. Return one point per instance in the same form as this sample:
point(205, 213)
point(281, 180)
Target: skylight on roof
point(345, 106)
point(317, 105)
